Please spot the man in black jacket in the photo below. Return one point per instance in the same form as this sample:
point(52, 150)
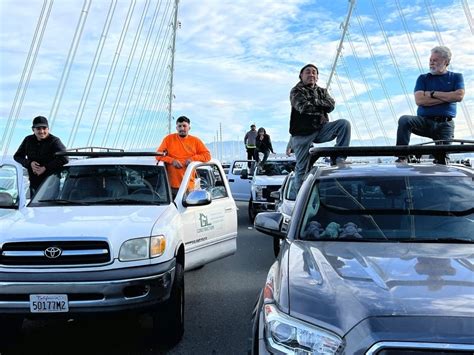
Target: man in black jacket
point(309, 122)
point(37, 153)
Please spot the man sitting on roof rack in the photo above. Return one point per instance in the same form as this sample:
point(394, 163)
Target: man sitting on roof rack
point(436, 94)
point(181, 149)
point(309, 121)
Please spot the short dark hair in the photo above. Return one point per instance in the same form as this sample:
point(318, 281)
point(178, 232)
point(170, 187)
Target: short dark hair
point(183, 119)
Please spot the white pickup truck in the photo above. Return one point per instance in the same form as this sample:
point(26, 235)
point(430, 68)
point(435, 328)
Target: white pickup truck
point(256, 184)
point(103, 235)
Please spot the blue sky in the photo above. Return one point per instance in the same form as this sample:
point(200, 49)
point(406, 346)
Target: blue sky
point(236, 62)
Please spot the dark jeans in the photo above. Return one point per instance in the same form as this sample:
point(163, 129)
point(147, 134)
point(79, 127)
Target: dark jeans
point(250, 153)
point(339, 129)
point(424, 127)
point(266, 153)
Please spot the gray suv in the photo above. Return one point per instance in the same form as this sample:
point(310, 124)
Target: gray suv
point(378, 258)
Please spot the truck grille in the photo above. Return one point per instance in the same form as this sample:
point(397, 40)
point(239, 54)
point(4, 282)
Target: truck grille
point(54, 253)
point(269, 189)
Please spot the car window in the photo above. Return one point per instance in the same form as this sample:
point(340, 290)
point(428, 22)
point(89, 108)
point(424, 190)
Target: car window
point(241, 165)
point(397, 208)
point(271, 168)
point(108, 184)
point(8, 186)
point(290, 193)
point(209, 178)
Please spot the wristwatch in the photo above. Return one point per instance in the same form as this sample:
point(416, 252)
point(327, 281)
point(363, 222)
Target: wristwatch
point(432, 94)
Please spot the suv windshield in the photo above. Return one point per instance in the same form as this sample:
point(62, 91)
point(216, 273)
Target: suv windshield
point(390, 208)
point(104, 184)
point(276, 168)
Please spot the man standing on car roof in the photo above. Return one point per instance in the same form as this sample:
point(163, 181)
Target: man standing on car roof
point(436, 94)
point(249, 141)
point(309, 121)
point(181, 149)
point(37, 153)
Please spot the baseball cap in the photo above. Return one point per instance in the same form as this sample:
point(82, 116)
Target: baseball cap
point(40, 121)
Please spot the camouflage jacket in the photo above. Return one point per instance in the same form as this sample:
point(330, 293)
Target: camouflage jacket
point(309, 109)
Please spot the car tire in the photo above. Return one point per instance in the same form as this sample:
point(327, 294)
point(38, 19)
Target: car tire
point(10, 331)
point(168, 320)
point(251, 211)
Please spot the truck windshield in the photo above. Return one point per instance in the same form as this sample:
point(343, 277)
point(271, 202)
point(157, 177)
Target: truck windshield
point(271, 168)
point(104, 184)
point(391, 208)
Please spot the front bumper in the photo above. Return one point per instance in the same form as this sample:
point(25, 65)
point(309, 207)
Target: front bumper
point(129, 289)
point(263, 206)
point(404, 335)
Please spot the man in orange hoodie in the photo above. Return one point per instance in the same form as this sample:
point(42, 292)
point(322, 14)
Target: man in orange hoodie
point(181, 149)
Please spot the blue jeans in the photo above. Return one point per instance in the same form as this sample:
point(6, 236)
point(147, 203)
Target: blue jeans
point(424, 127)
point(266, 153)
point(339, 129)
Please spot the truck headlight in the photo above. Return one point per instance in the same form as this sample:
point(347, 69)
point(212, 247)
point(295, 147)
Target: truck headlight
point(258, 189)
point(142, 248)
point(292, 336)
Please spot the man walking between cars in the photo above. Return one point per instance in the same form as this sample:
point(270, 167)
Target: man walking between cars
point(37, 153)
point(181, 149)
point(436, 94)
point(249, 141)
point(309, 121)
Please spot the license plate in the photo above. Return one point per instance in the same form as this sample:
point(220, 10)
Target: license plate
point(48, 303)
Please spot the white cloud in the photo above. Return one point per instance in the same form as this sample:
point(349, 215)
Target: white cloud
point(235, 62)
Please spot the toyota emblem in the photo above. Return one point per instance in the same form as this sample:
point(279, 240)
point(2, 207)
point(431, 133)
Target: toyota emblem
point(52, 252)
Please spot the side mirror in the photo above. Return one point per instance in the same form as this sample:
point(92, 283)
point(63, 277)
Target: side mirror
point(270, 223)
point(6, 200)
point(197, 198)
point(244, 174)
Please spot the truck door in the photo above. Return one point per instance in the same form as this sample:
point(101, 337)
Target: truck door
point(239, 181)
point(210, 231)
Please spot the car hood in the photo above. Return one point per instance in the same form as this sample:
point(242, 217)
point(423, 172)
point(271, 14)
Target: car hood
point(342, 283)
point(79, 221)
point(268, 180)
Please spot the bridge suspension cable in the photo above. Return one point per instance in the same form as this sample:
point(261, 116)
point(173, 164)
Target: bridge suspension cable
point(92, 73)
point(69, 61)
point(155, 84)
point(111, 74)
point(441, 42)
point(128, 65)
point(26, 76)
point(144, 92)
point(347, 106)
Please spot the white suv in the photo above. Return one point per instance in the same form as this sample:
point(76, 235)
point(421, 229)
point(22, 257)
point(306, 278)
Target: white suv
point(103, 235)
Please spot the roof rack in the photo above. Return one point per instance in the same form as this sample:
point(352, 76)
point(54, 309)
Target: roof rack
point(97, 152)
point(439, 150)
point(94, 149)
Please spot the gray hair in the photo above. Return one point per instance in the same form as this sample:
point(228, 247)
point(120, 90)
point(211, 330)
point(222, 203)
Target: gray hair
point(443, 51)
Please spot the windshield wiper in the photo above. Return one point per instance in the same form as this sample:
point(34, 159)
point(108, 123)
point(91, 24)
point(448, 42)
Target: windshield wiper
point(441, 240)
point(124, 201)
point(65, 202)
